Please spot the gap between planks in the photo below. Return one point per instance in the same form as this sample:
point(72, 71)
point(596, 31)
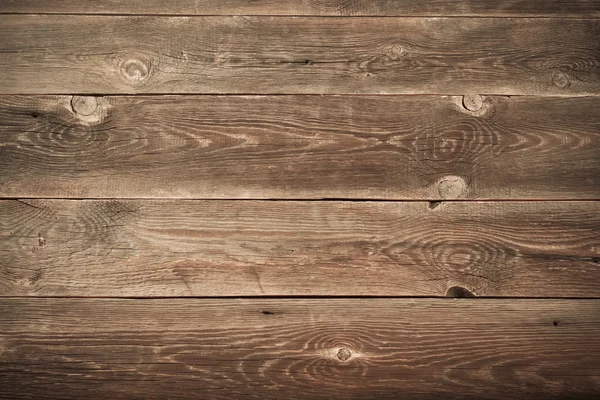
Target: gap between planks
point(399, 16)
point(266, 95)
point(300, 297)
point(324, 200)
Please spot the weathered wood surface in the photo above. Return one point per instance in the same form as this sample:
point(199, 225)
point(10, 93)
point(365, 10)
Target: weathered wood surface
point(256, 248)
point(65, 54)
point(299, 349)
point(302, 147)
point(560, 8)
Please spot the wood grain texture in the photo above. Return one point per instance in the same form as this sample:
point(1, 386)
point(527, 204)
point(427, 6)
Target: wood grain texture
point(300, 147)
point(299, 349)
point(561, 8)
point(246, 248)
point(273, 55)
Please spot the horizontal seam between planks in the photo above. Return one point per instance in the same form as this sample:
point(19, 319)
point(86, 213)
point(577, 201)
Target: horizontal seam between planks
point(581, 16)
point(303, 297)
point(324, 200)
point(266, 94)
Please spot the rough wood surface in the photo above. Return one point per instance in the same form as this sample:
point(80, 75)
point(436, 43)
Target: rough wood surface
point(561, 8)
point(234, 248)
point(302, 147)
point(299, 349)
point(61, 54)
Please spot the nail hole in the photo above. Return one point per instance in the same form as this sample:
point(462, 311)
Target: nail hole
point(459, 292)
point(556, 323)
point(596, 260)
point(308, 62)
point(35, 115)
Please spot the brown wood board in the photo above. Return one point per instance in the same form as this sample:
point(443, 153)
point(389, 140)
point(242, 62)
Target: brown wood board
point(300, 147)
point(513, 8)
point(148, 248)
point(299, 349)
point(66, 54)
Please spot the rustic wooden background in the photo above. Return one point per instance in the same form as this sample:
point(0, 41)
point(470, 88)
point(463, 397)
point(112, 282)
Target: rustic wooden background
point(311, 199)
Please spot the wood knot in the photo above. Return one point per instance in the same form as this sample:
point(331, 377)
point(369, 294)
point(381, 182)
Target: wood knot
point(343, 354)
point(135, 70)
point(472, 102)
point(561, 80)
point(395, 52)
point(451, 187)
point(84, 105)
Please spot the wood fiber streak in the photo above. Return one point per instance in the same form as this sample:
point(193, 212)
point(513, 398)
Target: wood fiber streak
point(255, 248)
point(299, 349)
point(61, 54)
point(300, 147)
point(560, 8)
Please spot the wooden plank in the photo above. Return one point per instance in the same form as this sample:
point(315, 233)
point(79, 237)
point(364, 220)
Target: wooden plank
point(560, 8)
point(299, 349)
point(300, 147)
point(245, 248)
point(58, 54)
